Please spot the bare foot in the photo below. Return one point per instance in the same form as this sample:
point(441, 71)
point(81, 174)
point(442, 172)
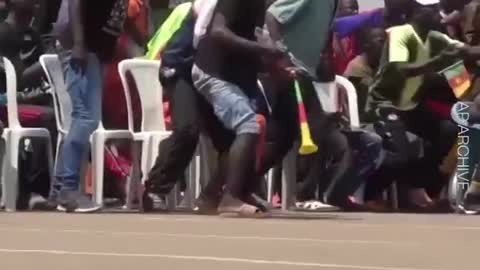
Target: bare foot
point(232, 205)
point(419, 197)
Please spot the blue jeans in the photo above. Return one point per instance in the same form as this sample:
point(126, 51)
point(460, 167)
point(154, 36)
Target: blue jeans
point(232, 107)
point(368, 151)
point(85, 92)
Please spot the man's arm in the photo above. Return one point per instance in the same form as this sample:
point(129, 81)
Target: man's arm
point(76, 8)
point(416, 69)
point(220, 31)
point(274, 27)
point(137, 35)
point(282, 12)
point(133, 24)
point(399, 55)
point(79, 51)
point(41, 15)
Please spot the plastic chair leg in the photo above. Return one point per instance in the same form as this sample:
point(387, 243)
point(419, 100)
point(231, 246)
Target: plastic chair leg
point(98, 158)
point(145, 159)
point(153, 151)
point(455, 194)
point(198, 166)
point(54, 185)
point(58, 149)
point(394, 195)
point(11, 176)
point(51, 164)
point(134, 179)
point(270, 185)
point(289, 180)
point(3, 171)
point(191, 183)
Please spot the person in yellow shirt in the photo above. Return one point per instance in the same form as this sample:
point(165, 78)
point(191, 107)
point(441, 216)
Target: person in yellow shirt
point(412, 51)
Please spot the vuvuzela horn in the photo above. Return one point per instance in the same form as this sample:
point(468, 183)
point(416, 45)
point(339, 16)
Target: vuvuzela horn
point(307, 147)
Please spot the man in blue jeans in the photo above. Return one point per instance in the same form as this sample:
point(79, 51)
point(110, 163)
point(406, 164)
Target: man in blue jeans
point(94, 27)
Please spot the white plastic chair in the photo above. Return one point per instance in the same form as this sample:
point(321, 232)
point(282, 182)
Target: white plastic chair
point(53, 68)
point(354, 117)
point(61, 100)
point(13, 136)
point(153, 130)
point(352, 99)
point(455, 193)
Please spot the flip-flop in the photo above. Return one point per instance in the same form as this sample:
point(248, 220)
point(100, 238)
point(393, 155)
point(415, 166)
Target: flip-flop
point(244, 210)
point(315, 206)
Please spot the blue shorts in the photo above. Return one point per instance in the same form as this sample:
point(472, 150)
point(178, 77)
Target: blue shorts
point(231, 105)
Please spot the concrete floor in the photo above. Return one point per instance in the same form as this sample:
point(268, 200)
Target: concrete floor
point(54, 241)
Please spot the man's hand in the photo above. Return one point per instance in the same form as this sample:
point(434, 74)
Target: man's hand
point(295, 72)
point(272, 51)
point(79, 59)
point(454, 51)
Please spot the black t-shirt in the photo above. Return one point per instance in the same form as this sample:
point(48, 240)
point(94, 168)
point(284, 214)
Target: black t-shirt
point(103, 22)
point(231, 64)
point(22, 48)
point(10, 41)
point(46, 15)
point(23, 45)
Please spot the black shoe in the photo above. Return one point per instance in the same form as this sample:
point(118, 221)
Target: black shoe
point(76, 202)
point(259, 202)
point(347, 204)
point(153, 202)
point(206, 205)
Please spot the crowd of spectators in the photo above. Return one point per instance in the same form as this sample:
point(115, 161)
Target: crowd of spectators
point(213, 53)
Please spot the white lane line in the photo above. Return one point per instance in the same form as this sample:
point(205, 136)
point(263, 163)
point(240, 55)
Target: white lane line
point(203, 258)
point(324, 222)
point(213, 236)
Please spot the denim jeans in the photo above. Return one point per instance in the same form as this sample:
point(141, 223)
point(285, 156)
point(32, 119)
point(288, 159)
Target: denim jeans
point(85, 92)
point(231, 105)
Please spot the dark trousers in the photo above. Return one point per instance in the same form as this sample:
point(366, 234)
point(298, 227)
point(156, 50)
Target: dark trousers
point(334, 166)
point(334, 151)
point(190, 113)
point(440, 134)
